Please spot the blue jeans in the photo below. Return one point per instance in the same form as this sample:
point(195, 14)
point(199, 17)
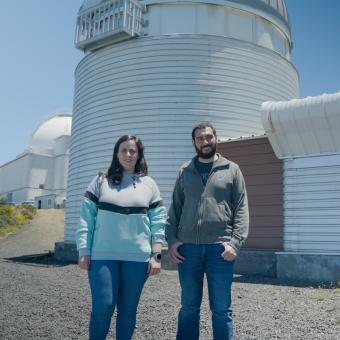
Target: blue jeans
point(115, 283)
point(200, 259)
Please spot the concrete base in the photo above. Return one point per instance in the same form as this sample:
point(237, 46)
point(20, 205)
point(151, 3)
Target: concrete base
point(68, 252)
point(287, 266)
point(248, 263)
point(65, 252)
point(254, 262)
point(308, 267)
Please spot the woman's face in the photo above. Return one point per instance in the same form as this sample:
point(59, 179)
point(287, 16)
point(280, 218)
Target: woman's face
point(128, 155)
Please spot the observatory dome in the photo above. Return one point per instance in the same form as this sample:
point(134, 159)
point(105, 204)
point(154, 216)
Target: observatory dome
point(100, 20)
point(271, 10)
point(89, 3)
point(272, 7)
point(43, 138)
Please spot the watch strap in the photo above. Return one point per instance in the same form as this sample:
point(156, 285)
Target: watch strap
point(157, 256)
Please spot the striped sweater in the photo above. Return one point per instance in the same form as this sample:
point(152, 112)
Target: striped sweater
point(120, 222)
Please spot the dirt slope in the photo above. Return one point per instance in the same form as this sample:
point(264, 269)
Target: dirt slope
point(37, 237)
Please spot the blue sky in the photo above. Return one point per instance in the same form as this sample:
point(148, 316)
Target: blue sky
point(38, 59)
point(315, 29)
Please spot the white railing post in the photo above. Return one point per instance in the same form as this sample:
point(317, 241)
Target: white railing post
point(134, 8)
point(125, 9)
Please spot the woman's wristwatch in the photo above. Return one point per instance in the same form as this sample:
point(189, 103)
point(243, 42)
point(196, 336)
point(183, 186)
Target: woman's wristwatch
point(157, 256)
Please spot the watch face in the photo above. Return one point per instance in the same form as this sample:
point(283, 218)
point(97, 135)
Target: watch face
point(158, 256)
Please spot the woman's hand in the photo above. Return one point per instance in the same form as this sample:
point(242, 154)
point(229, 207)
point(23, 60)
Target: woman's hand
point(84, 262)
point(154, 267)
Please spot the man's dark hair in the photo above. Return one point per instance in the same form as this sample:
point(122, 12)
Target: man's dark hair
point(115, 171)
point(202, 125)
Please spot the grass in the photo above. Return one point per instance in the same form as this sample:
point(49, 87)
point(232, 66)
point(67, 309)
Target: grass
point(320, 296)
point(337, 286)
point(4, 231)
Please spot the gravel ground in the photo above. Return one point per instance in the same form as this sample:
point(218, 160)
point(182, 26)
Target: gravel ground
point(43, 299)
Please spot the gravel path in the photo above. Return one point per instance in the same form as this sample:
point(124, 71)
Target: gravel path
point(42, 299)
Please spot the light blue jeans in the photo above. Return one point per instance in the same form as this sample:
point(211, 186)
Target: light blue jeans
point(199, 260)
point(115, 283)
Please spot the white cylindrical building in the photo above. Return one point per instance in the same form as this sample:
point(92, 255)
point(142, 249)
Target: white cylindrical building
point(155, 68)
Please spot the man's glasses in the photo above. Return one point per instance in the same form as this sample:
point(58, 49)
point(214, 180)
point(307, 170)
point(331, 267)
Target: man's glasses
point(207, 137)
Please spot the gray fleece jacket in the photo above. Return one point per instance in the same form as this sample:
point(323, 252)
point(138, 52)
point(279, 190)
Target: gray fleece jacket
point(214, 213)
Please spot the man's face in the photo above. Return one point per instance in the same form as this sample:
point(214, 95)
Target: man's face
point(205, 143)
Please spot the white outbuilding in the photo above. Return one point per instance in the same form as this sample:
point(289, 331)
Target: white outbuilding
point(41, 170)
point(305, 134)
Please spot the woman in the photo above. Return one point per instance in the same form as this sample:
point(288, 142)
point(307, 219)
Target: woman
point(120, 237)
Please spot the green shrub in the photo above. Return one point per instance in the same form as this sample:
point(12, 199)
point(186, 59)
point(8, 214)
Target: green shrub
point(6, 219)
point(28, 207)
point(20, 218)
point(11, 218)
point(6, 210)
point(6, 230)
point(27, 210)
point(8, 223)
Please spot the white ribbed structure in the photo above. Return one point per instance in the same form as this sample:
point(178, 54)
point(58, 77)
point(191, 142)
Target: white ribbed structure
point(160, 85)
point(305, 126)
point(312, 204)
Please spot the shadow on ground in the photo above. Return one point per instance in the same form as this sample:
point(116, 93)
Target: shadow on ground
point(41, 259)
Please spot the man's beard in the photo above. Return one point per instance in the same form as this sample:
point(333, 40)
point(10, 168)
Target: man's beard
point(207, 154)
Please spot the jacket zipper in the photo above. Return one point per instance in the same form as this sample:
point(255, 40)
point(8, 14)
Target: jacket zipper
point(199, 221)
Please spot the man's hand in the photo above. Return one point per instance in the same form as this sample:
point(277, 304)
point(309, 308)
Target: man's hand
point(174, 254)
point(84, 262)
point(229, 253)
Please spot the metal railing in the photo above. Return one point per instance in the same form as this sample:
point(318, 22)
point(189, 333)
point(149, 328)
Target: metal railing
point(108, 19)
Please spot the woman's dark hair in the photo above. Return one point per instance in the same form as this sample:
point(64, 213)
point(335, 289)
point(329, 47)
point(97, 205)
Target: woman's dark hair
point(115, 171)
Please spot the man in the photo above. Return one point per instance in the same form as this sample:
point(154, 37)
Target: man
point(207, 224)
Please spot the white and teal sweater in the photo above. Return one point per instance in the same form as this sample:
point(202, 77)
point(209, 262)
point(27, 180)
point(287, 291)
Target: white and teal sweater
point(120, 222)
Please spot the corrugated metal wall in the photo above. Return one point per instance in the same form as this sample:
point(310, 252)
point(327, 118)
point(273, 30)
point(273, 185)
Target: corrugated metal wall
point(159, 88)
point(263, 174)
point(312, 204)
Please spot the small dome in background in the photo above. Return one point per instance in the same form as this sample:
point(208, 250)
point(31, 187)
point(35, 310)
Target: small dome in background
point(42, 139)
